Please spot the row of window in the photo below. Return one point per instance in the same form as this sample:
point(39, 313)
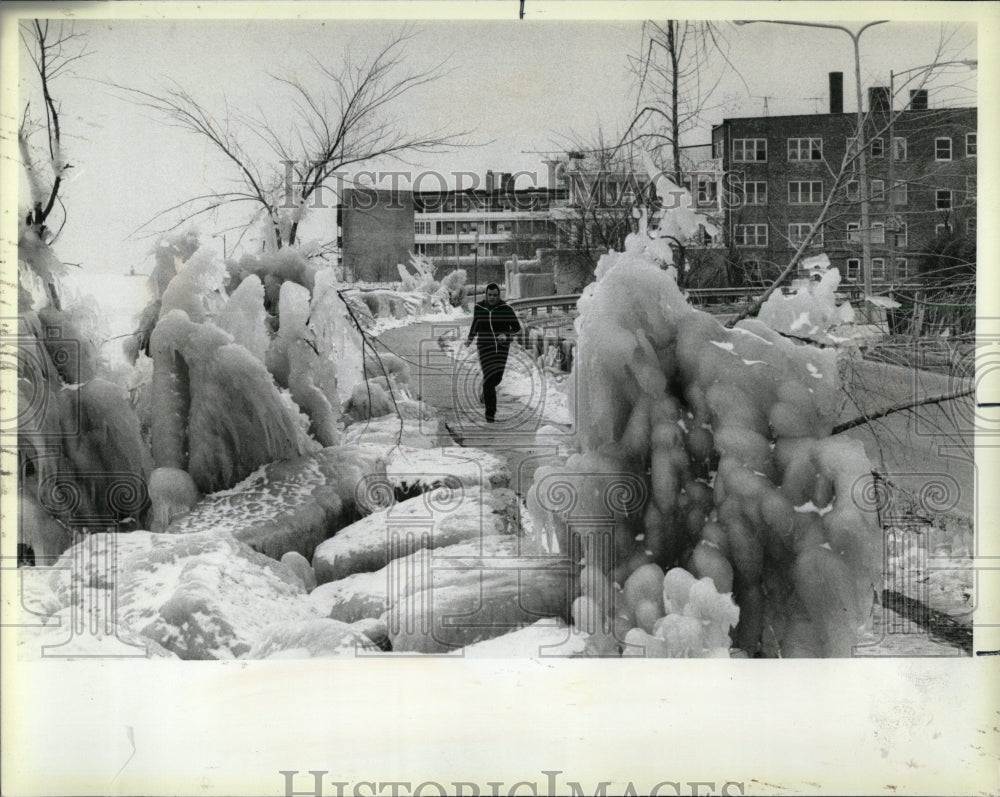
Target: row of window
point(810, 192)
point(878, 269)
point(757, 234)
point(754, 150)
point(466, 227)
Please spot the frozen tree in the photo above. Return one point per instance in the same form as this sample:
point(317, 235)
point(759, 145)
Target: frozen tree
point(339, 122)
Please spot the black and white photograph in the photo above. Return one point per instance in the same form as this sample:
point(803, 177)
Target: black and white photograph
point(377, 376)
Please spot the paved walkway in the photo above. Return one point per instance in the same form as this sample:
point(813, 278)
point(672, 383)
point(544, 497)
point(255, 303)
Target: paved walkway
point(453, 389)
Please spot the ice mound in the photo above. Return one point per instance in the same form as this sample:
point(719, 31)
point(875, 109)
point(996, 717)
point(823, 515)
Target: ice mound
point(708, 448)
point(810, 312)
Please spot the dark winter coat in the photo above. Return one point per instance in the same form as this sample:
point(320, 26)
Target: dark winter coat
point(488, 323)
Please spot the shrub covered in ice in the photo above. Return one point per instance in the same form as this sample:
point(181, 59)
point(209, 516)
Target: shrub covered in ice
point(709, 448)
point(810, 312)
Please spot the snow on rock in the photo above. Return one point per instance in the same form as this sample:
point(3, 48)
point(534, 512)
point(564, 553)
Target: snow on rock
point(319, 638)
point(388, 432)
point(443, 516)
point(542, 639)
point(301, 567)
point(287, 506)
point(367, 594)
point(200, 595)
point(415, 469)
point(478, 600)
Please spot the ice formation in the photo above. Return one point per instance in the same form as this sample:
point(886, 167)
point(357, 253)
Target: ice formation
point(252, 360)
point(708, 448)
point(82, 462)
point(811, 312)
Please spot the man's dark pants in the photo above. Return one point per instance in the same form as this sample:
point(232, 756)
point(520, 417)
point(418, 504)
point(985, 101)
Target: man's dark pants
point(492, 361)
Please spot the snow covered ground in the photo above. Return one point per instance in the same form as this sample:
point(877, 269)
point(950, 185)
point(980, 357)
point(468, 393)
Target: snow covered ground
point(542, 390)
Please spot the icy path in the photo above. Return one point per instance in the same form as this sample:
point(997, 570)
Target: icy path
point(452, 389)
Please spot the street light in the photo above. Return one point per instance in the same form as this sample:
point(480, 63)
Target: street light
point(866, 246)
point(972, 64)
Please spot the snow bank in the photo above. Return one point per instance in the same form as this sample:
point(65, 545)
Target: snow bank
point(810, 312)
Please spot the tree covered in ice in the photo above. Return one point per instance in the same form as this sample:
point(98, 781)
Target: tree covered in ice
point(252, 361)
point(709, 449)
point(82, 462)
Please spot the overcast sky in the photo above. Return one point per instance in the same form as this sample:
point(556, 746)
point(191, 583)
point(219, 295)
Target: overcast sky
point(521, 87)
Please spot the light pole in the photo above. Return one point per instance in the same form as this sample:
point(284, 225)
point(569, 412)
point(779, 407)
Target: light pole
point(972, 64)
point(866, 246)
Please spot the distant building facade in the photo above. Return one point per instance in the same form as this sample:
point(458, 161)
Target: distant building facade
point(376, 232)
point(782, 169)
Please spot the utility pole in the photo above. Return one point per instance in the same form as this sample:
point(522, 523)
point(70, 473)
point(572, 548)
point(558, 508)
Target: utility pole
point(866, 246)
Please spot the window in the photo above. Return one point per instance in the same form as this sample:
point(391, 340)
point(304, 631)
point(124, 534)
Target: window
point(755, 193)
point(878, 232)
point(877, 147)
point(708, 191)
point(853, 190)
point(900, 237)
point(899, 193)
point(899, 148)
point(878, 191)
point(422, 227)
point(853, 268)
point(942, 200)
point(878, 268)
point(750, 234)
point(970, 189)
point(797, 234)
point(718, 148)
point(970, 145)
point(942, 149)
point(942, 229)
point(805, 192)
point(902, 268)
point(853, 232)
point(805, 149)
point(749, 149)
point(970, 226)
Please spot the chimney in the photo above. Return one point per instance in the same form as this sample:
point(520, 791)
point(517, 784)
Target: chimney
point(918, 99)
point(836, 92)
point(490, 181)
point(878, 99)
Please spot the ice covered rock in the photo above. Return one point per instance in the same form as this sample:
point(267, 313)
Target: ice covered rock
point(542, 639)
point(301, 567)
point(386, 433)
point(319, 638)
point(287, 506)
point(213, 597)
point(369, 594)
point(443, 516)
point(462, 600)
point(411, 470)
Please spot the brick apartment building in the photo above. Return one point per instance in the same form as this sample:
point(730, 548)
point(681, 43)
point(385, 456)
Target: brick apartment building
point(922, 180)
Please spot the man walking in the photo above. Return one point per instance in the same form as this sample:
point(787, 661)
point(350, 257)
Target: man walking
point(494, 325)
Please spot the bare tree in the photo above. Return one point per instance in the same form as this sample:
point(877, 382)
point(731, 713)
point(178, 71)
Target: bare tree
point(679, 67)
point(53, 48)
point(344, 123)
